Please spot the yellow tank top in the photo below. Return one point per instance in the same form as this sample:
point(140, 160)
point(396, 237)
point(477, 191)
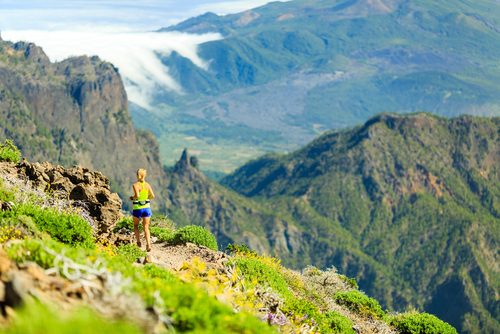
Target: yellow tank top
point(143, 200)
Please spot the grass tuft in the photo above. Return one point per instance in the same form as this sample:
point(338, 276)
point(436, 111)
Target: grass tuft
point(35, 318)
point(421, 323)
point(360, 303)
point(195, 234)
point(9, 152)
point(338, 323)
point(68, 228)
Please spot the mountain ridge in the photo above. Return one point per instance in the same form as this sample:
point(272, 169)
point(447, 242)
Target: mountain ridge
point(407, 204)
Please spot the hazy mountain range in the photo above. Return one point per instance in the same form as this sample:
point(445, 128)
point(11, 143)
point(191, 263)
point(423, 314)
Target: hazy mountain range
point(285, 72)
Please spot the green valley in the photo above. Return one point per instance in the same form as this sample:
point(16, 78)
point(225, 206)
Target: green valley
point(288, 71)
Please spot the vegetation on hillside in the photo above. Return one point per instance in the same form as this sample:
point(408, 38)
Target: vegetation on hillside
point(402, 203)
point(247, 294)
point(420, 196)
point(9, 152)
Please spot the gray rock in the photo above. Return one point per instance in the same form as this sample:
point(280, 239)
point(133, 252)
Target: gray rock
point(16, 290)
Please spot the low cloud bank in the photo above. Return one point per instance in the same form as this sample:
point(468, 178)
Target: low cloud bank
point(135, 54)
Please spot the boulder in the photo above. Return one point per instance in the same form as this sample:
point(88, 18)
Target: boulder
point(85, 188)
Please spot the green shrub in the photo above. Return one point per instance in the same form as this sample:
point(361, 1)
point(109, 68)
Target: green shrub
point(6, 195)
point(24, 224)
point(163, 228)
point(66, 227)
point(28, 225)
point(160, 228)
point(360, 303)
point(301, 307)
point(163, 222)
point(191, 308)
point(195, 234)
point(163, 234)
point(31, 250)
point(154, 271)
point(9, 152)
point(421, 323)
point(239, 249)
point(130, 252)
point(35, 318)
point(337, 323)
point(265, 272)
point(254, 269)
point(42, 252)
point(126, 223)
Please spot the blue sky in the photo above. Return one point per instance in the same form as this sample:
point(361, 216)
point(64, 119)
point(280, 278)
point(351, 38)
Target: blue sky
point(128, 14)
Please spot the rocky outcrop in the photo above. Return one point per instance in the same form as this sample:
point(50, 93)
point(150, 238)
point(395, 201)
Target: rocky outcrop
point(84, 188)
point(73, 112)
point(33, 53)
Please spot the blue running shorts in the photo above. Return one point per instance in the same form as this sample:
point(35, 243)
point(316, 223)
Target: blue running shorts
point(142, 213)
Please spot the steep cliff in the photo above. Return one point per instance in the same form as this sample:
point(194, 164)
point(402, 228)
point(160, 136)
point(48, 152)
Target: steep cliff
point(74, 111)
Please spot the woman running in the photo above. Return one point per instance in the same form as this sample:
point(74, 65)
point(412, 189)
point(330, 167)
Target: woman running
point(143, 193)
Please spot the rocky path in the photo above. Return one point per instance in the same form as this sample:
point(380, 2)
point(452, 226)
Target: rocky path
point(173, 257)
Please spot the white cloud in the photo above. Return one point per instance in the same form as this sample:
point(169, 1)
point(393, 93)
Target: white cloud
point(135, 54)
point(107, 28)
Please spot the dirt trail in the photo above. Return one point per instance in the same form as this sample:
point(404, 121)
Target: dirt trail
point(173, 257)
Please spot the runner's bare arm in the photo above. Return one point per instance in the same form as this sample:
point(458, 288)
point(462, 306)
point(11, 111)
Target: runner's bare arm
point(136, 192)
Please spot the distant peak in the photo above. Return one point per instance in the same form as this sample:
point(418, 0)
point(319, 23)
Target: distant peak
point(391, 119)
point(184, 156)
point(186, 162)
point(204, 23)
point(32, 52)
point(208, 15)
